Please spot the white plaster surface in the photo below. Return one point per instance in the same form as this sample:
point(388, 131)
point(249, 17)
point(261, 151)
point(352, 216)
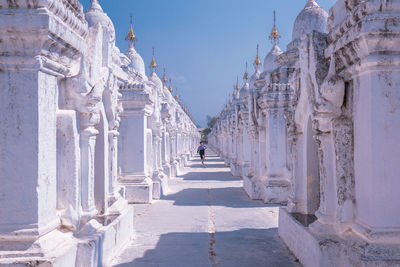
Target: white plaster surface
point(206, 220)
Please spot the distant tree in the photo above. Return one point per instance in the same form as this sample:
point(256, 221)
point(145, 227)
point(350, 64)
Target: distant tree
point(210, 123)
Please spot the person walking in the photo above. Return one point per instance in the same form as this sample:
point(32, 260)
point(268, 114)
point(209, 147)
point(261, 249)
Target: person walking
point(202, 152)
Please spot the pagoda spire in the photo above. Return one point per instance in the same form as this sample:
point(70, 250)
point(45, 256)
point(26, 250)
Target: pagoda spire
point(237, 83)
point(246, 74)
point(153, 63)
point(170, 86)
point(131, 37)
point(274, 36)
point(257, 61)
point(164, 78)
point(176, 94)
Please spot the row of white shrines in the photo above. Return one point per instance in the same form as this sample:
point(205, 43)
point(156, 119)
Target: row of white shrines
point(319, 130)
point(84, 132)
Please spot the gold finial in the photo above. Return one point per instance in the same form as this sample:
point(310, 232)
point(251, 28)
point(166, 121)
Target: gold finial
point(176, 94)
point(164, 78)
point(237, 83)
point(153, 64)
point(246, 74)
point(230, 102)
point(131, 37)
point(257, 61)
point(274, 36)
point(170, 86)
point(234, 94)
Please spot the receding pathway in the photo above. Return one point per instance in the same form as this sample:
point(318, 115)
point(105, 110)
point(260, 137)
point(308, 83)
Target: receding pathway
point(206, 220)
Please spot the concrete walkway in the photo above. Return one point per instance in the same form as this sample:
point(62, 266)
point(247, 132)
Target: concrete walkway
point(206, 220)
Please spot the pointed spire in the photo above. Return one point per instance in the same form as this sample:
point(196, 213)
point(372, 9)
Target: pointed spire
point(153, 64)
point(131, 37)
point(230, 102)
point(257, 61)
point(164, 78)
point(237, 83)
point(274, 36)
point(170, 86)
point(246, 74)
point(176, 94)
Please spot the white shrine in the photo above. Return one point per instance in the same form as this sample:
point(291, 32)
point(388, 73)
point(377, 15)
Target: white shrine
point(318, 130)
point(84, 132)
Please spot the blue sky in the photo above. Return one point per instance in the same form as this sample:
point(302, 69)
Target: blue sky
point(203, 43)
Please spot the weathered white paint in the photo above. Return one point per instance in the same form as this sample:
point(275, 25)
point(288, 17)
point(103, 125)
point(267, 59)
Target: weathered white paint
point(322, 121)
point(67, 166)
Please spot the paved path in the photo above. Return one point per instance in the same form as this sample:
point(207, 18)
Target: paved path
point(206, 220)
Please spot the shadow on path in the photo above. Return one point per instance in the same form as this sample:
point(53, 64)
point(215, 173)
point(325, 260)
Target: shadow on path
point(206, 220)
point(233, 197)
point(244, 247)
point(209, 176)
point(208, 165)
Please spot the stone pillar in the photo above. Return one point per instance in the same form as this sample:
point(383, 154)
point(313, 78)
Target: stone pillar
point(297, 196)
point(261, 164)
point(327, 213)
point(178, 148)
point(115, 188)
point(133, 148)
point(275, 101)
point(253, 141)
point(165, 153)
point(28, 150)
point(101, 165)
point(225, 141)
point(377, 146)
point(29, 82)
point(174, 162)
point(234, 144)
point(250, 181)
point(160, 181)
point(246, 150)
point(239, 149)
point(68, 169)
point(87, 144)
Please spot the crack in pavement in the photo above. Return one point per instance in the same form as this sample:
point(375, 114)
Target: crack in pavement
point(144, 210)
point(211, 230)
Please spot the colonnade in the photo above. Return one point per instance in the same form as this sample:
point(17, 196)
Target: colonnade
point(84, 132)
point(317, 131)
